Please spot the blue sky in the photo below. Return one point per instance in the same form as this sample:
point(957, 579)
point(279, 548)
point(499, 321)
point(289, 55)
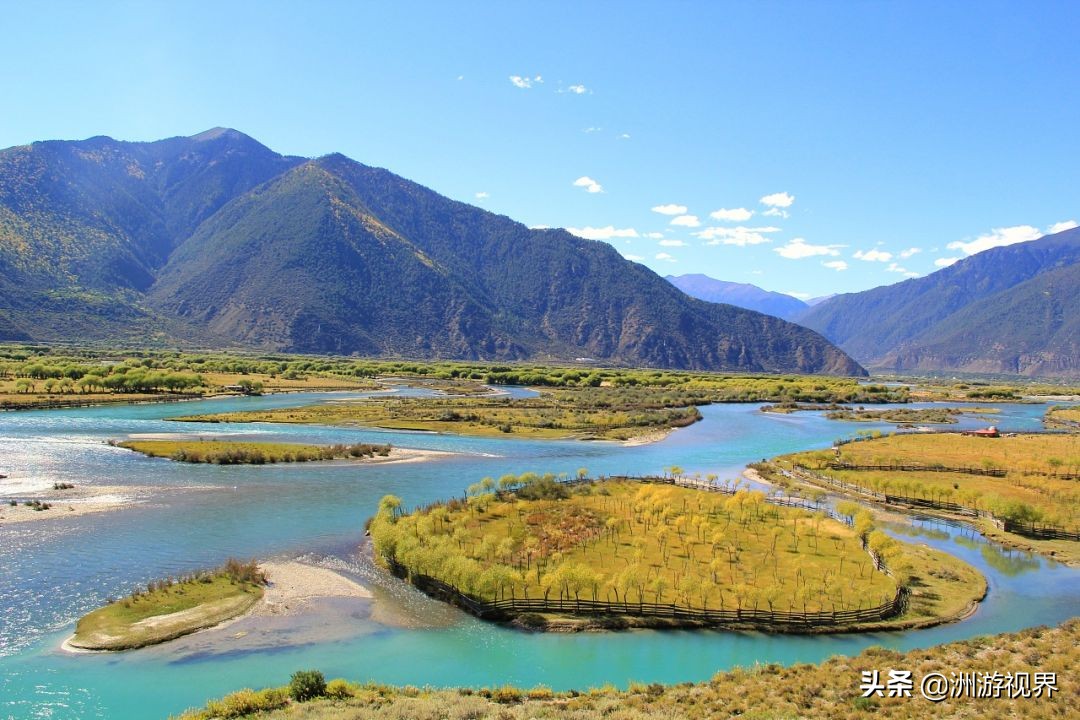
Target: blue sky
point(807, 147)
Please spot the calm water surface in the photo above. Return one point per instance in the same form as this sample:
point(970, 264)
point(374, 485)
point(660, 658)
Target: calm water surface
point(54, 571)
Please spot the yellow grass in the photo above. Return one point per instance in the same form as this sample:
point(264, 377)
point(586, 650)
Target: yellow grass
point(1068, 417)
point(631, 542)
point(216, 381)
point(1029, 486)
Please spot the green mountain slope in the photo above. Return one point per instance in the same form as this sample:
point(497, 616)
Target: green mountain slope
point(1030, 329)
point(215, 239)
point(335, 255)
point(875, 325)
point(85, 226)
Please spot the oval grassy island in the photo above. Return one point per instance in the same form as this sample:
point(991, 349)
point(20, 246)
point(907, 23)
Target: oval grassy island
point(231, 452)
point(171, 608)
point(662, 552)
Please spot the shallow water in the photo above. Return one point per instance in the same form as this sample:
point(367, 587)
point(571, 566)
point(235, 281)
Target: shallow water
point(51, 572)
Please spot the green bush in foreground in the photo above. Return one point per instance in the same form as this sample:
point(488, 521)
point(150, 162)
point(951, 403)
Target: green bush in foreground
point(307, 684)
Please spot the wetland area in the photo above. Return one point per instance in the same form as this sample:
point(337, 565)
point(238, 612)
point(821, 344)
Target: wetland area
point(164, 518)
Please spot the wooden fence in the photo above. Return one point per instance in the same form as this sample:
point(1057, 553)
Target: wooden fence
point(778, 619)
point(989, 472)
point(504, 608)
point(1031, 530)
point(1041, 532)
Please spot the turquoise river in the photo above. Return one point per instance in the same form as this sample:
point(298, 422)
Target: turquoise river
point(186, 517)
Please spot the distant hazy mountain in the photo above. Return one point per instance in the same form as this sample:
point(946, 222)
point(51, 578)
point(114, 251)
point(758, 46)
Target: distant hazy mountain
point(216, 239)
point(1007, 309)
point(742, 295)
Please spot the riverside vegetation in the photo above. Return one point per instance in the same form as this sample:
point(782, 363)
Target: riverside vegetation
point(602, 414)
point(230, 452)
point(172, 607)
point(33, 376)
point(825, 691)
point(580, 403)
point(1064, 417)
point(1016, 487)
point(647, 550)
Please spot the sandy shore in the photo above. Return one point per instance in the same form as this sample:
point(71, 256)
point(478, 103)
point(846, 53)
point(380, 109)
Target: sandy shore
point(74, 502)
point(87, 499)
point(647, 438)
point(405, 455)
point(292, 584)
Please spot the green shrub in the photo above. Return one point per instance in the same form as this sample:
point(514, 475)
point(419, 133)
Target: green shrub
point(307, 684)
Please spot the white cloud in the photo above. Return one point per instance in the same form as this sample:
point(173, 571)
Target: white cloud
point(624, 136)
point(670, 209)
point(522, 82)
point(603, 233)
point(635, 258)
point(945, 262)
point(654, 235)
point(592, 129)
point(778, 200)
point(873, 255)
point(997, 237)
point(589, 184)
point(1061, 226)
point(739, 236)
point(776, 212)
point(909, 252)
point(482, 195)
point(893, 267)
point(799, 295)
point(460, 77)
point(672, 243)
point(686, 221)
point(798, 248)
point(665, 257)
point(577, 89)
point(837, 265)
point(732, 215)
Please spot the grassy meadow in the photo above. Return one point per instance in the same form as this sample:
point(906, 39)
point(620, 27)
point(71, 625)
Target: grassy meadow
point(232, 452)
point(1067, 417)
point(171, 608)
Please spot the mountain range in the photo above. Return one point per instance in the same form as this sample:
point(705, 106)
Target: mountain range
point(1012, 309)
point(216, 240)
point(742, 295)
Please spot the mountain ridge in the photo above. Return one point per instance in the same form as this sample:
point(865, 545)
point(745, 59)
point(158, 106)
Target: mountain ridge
point(744, 295)
point(939, 321)
point(216, 239)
